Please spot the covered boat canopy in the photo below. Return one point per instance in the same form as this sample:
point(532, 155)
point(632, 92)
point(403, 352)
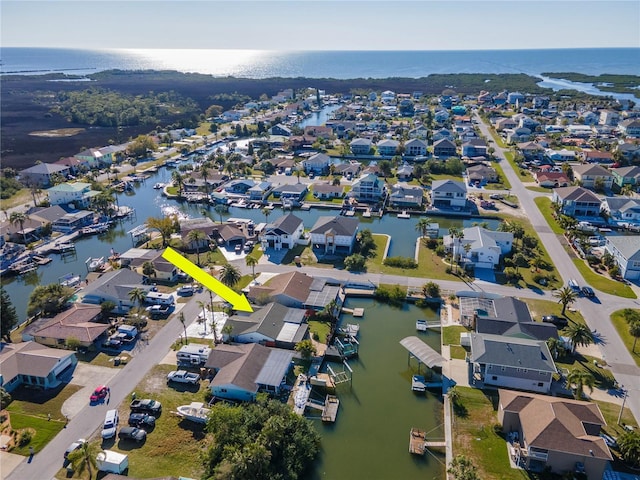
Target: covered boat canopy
point(423, 352)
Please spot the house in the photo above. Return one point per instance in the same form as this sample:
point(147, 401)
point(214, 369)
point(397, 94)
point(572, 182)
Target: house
point(32, 364)
point(531, 151)
point(78, 194)
point(510, 317)
point(554, 433)
point(511, 362)
point(474, 147)
point(60, 219)
point(485, 246)
point(75, 165)
point(163, 270)
point(318, 163)
point(241, 371)
point(577, 201)
point(295, 192)
point(626, 251)
point(360, 146)
point(515, 97)
point(609, 117)
point(80, 322)
point(202, 224)
point(593, 176)
point(271, 325)
point(319, 131)
point(405, 172)
point(260, 191)
point(284, 232)
point(622, 209)
point(628, 150)
point(480, 175)
point(563, 155)
point(551, 179)
point(281, 130)
point(239, 186)
point(298, 290)
point(441, 116)
point(404, 195)
point(415, 148)
point(630, 127)
point(230, 235)
point(624, 176)
point(113, 286)
point(388, 147)
point(26, 232)
point(442, 133)
point(505, 123)
point(327, 191)
point(420, 132)
point(368, 188)
point(597, 156)
point(349, 170)
point(518, 135)
point(102, 157)
point(42, 174)
point(333, 234)
point(448, 194)
point(444, 149)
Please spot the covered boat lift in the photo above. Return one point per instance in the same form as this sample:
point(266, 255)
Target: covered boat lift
point(422, 352)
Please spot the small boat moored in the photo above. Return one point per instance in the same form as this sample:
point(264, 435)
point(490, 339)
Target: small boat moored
point(195, 411)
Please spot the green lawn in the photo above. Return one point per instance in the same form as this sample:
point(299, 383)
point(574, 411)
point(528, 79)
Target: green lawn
point(432, 266)
point(602, 283)
point(540, 308)
point(505, 184)
point(40, 403)
point(544, 204)
point(375, 262)
point(539, 189)
point(45, 430)
point(604, 378)
point(451, 335)
point(623, 330)
point(321, 329)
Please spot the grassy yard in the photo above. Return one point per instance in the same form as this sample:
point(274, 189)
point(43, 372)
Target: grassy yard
point(540, 308)
point(40, 403)
point(602, 283)
point(321, 329)
point(432, 266)
point(544, 204)
point(474, 436)
point(43, 431)
point(539, 189)
point(374, 263)
point(21, 197)
point(451, 335)
point(604, 378)
point(505, 184)
point(623, 330)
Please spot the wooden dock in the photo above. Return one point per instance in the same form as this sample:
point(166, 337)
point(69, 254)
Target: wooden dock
point(356, 312)
point(330, 410)
point(417, 441)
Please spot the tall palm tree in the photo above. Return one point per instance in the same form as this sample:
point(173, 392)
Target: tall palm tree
point(178, 179)
point(251, 262)
point(230, 275)
point(137, 295)
point(196, 236)
point(566, 296)
point(203, 306)
point(204, 172)
point(184, 325)
point(422, 226)
point(580, 334)
point(148, 269)
point(555, 347)
point(18, 218)
point(629, 444)
point(85, 457)
point(266, 212)
point(634, 331)
point(580, 379)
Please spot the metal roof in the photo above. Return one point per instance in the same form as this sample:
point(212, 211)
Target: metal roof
point(275, 368)
point(422, 352)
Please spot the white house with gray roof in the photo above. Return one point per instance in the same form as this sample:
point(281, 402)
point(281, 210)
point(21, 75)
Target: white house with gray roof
point(78, 193)
point(485, 246)
point(284, 232)
point(511, 362)
point(42, 173)
point(448, 194)
point(626, 251)
point(332, 234)
point(113, 286)
point(622, 209)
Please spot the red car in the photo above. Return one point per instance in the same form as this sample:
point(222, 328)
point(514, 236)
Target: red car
point(99, 393)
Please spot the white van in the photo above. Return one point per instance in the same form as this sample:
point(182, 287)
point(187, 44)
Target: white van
point(573, 285)
point(157, 298)
point(110, 425)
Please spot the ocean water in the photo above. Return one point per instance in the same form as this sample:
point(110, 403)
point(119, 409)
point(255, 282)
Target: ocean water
point(322, 64)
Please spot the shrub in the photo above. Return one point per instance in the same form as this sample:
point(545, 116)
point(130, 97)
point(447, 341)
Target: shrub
point(431, 289)
point(400, 262)
point(5, 398)
point(440, 251)
point(540, 279)
point(391, 295)
point(355, 262)
point(432, 243)
point(25, 438)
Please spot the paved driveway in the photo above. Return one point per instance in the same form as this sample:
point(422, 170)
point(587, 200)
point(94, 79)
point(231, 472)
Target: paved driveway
point(89, 377)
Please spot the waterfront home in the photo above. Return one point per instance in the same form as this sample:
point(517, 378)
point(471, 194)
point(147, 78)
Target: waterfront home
point(405, 172)
point(202, 224)
point(350, 170)
point(563, 155)
point(511, 362)
point(555, 433)
point(297, 290)
point(163, 270)
point(284, 232)
point(41, 174)
point(239, 186)
point(29, 231)
point(230, 236)
point(577, 201)
point(320, 131)
point(622, 209)
point(551, 179)
point(60, 219)
point(318, 163)
point(113, 286)
point(448, 194)
point(334, 234)
point(360, 146)
point(32, 364)
point(388, 147)
point(273, 325)
point(630, 127)
point(78, 194)
point(241, 371)
point(624, 176)
point(75, 165)
point(80, 322)
point(260, 191)
point(103, 156)
point(609, 117)
point(480, 175)
point(593, 176)
point(444, 149)
point(626, 251)
point(415, 148)
point(281, 130)
point(485, 247)
point(294, 192)
point(327, 191)
point(368, 188)
point(404, 195)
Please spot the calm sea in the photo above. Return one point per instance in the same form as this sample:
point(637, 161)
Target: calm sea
point(322, 64)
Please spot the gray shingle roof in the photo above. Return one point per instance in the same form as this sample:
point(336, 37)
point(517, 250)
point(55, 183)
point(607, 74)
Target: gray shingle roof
point(511, 352)
point(340, 225)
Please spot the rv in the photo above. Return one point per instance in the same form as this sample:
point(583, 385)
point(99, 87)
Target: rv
point(157, 298)
point(194, 355)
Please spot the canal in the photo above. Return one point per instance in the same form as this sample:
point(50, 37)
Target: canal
point(370, 438)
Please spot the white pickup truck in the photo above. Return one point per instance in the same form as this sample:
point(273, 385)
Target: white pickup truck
point(182, 376)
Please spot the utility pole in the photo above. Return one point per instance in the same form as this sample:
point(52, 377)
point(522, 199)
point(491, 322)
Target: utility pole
point(624, 399)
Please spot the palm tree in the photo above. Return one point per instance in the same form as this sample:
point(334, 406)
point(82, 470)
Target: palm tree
point(204, 173)
point(196, 236)
point(220, 209)
point(18, 218)
point(137, 295)
point(629, 444)
point(226, 331)
point(566, 296)
point(252, 262)
point(422, 226)
point(266, 212)
point(184, 325)
point(580, 334)
point(148, 269)
point(203, 306)
point(85, 457)
point(230, 275)
point(164, 225)
point(634, 331)
point(555, 347)
point(178, 180)
point(580, 379)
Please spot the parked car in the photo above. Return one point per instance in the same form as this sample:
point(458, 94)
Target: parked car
point(152, 407)
point(132, 433)
point(182, 376)
point(74, 446)
point(238, 248)
point(142, 420)
point(186, 291)
point(110, 425)
point(559, 322)
point(100, 393)
point(588, 292)
point(158, 311)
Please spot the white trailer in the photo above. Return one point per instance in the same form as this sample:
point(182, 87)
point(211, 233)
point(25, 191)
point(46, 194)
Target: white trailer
point(113, 462)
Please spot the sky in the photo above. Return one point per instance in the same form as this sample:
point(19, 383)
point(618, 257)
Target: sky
point(321, 25)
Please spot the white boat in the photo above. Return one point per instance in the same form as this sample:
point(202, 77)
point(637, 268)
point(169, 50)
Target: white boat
point(404, 214)
point(69, 280)
point(421, 325)
point(585, 227)
point(195, 411)
point(158, 186)
point(94, 264)
point(418, 383)
point(350, 330)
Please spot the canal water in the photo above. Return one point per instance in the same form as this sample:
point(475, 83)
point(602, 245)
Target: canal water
point(370, 438)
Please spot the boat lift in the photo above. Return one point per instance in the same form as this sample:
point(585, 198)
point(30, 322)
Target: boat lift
point(344, 376)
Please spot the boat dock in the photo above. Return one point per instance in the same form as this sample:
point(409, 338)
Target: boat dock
point(419, 444)
point(300, 394)
point(356, 312)
point(330, 410)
